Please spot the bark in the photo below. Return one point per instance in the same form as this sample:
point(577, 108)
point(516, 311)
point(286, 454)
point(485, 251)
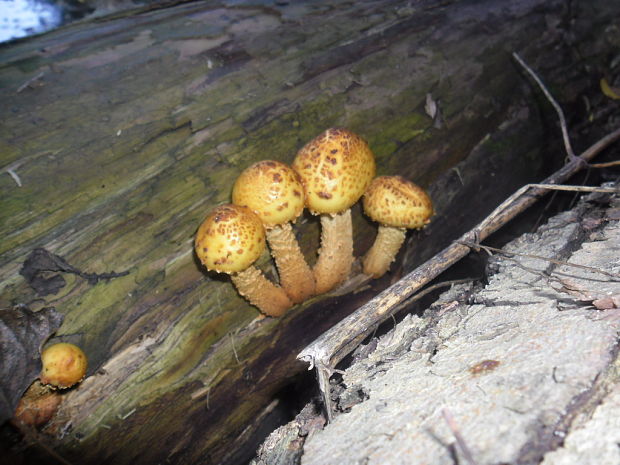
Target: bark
point(120, 134)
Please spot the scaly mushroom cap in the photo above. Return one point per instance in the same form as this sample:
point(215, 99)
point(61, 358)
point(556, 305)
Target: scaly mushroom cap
point(271, 189)
point(64, 365)
point(335, 167)
point(230, 239)
point(397, 202)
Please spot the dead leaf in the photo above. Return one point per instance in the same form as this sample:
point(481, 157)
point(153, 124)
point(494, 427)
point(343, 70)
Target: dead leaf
point(22, 333)
point(41, 270)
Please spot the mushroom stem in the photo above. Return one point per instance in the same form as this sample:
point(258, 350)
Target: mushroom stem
point(267, 296)
point(336, 252)
point(377, 260)
point(296, 277)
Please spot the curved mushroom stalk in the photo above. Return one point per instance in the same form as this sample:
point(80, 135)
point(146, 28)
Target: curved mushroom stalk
point(336, 252)
point(296, 277)
point(383, 252)
point(396, 204)
point(267, 296)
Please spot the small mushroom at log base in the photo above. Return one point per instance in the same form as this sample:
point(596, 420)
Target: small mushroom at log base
point(335, 167)
point(229, 241)
point(396, 204)
point(274, 192)
point(64, 365)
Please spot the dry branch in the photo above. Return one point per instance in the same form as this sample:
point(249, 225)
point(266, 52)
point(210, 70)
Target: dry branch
point(451, 422)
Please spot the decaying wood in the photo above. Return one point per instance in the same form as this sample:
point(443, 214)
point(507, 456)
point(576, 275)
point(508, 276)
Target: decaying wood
point(332, 346)
point(120, 134)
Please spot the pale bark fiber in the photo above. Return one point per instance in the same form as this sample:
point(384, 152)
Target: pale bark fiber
point(383, 252)
point(267, 296)
point(336, 253)
point(296, 277)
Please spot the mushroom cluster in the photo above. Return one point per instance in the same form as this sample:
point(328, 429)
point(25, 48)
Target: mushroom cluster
point(328, 176)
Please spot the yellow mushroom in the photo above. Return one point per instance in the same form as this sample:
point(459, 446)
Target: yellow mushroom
point(396, 204)
point(273, 191)
point(229, 241)
point(335, 167)
point(64, 365)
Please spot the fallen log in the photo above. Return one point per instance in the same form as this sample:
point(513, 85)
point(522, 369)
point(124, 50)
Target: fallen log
point(119, 135)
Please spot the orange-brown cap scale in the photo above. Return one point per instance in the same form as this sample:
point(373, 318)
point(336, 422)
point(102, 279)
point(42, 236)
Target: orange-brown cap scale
point(64, 365)
point(397, 202)
point(230, 239)
point(335, 167)
point(271, 189)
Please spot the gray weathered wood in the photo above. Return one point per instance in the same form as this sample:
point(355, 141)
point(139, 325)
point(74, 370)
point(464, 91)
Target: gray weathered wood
point(518, 370)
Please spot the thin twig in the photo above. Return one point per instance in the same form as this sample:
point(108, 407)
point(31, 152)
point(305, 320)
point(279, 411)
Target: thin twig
point(199, 392)
point(126, 415)
point(504, 211)
point(11, 172)
point(565, 187)
point(601, 144)
point(605, 165)
point(447, 416)
point(232, 343)
point(558, 109)
point(539, 257)
point(30, 81)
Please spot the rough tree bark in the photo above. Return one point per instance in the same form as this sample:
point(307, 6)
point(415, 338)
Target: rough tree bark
point(120, 134)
